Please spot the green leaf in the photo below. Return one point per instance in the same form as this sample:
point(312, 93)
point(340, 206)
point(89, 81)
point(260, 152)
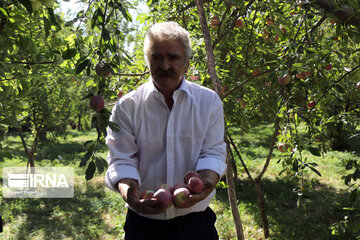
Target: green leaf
point(27, 5)
point(69, 53)
point(356, 174)
point(315, 171)
point(124, 12)
point(89, 174)
point(10, 121)
point(114, 126)
point(80, 66)
point(99, 165)
point(85, 158)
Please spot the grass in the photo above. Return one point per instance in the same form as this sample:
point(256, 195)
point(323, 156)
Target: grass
point(98, 213)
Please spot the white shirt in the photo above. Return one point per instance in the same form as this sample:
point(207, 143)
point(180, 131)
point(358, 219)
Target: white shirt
point(157, 146)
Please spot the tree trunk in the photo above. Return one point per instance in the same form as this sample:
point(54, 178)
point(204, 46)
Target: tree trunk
point(261, 202)
point(217, 87)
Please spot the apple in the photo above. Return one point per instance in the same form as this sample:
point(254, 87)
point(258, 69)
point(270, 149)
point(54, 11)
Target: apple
point(194, 78)
point(147, 194)
point(97, 103)
point(190, 174)
point(120, 94)
point(276, 38)
point(239, 23)
point(214, 21)
point(285, 79)
point(195, 185)
point(311, 104)
point(256, 72)
point(164, 198)
point(165, 186)
point(269, 22)
point(358, 85)
point(329, 66)
point(282, 147)
point(307, 74)
point(300, 75)
point(102, 70)
point(178, 185)
point(241, 103)
point(181, 196)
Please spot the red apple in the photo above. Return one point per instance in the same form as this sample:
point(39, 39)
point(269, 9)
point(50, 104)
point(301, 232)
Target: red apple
point(269, 22)
point(307, 74)
point(239, 23)
point(214, 21)
point(194, 78)
point(164, 198)
point(165, 186)
point(97, 103)
point(256, 72)
point(190, 174)
point(120, 94)
point(195, 185)
point(181, 196)
point(358, 85)
point(102, 70)
point(178, 185)
point(147, 194)
point(284, 80)
point(300, 75)
point(311, 104)
point(282, 147)
point(329, 66)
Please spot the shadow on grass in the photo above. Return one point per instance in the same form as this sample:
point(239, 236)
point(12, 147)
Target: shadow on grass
point(290, 217)
point(82, 217)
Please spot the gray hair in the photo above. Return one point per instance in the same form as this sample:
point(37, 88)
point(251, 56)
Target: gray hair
point(168, 31)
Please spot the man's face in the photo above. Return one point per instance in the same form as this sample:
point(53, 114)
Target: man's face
point(167, 64)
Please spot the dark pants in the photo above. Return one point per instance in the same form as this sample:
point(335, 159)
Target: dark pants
point(193, 226)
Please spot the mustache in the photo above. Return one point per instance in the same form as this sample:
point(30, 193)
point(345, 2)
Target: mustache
point(168, 73)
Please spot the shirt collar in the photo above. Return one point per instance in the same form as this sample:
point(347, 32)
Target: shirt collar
point(151, 87)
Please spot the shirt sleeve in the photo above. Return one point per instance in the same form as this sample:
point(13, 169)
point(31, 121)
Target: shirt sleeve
point(122, 155)
point(213, 152)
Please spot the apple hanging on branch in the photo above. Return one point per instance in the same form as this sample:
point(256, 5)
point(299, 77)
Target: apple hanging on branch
point(282, 147)
point(97, 103)
point(358, 85)
point(103, 69)
point(311, 104)
point(284, 79)
point(214, 21)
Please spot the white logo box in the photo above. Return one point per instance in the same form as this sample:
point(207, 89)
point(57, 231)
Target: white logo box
point(38, 182)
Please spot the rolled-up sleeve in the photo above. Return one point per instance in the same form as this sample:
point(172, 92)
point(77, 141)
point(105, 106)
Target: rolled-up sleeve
point(122, 155)
point(213, 153)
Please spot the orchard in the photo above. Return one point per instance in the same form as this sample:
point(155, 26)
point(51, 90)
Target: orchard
point(292, 64)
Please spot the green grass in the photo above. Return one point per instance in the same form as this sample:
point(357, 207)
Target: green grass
point(98, 213)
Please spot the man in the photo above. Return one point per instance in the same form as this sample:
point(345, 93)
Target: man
point(168, 126)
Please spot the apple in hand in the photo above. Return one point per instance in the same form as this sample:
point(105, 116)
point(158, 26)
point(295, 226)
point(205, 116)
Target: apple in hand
point(190, 174)
point(147, 194)
point(164, 198)
point(181, 196)
point(178, 185)
point(195, 185)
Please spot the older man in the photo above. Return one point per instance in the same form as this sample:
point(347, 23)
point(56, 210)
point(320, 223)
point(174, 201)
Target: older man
point(168, 126)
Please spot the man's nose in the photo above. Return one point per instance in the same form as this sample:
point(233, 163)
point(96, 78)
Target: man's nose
point(165, 64)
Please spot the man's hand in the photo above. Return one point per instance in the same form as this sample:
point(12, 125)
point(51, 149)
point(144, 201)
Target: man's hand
point(128, 189)
point(210, 179)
